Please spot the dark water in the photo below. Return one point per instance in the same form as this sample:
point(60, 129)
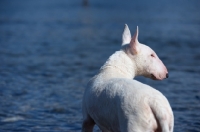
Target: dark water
point(49, 49)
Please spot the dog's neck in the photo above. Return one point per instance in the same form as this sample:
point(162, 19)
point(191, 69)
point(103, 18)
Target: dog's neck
point(119, 65)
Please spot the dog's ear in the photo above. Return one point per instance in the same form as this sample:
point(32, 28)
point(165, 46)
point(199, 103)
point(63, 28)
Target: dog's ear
point(126, 36)
point(134, 44)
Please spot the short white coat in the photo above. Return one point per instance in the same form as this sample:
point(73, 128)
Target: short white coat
point(117, 103)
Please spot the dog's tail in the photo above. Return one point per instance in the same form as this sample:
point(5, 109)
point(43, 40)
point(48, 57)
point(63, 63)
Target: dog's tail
point(163, 115)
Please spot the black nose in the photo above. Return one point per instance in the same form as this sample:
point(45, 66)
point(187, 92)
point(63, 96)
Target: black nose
point(167, 75)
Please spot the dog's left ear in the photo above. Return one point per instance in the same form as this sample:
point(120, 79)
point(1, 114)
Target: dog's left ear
point(126, 36)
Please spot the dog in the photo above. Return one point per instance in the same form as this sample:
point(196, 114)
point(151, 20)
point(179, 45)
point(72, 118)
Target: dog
point(115, 102)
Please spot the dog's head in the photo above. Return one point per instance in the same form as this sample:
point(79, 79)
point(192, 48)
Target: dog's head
point(147, 63)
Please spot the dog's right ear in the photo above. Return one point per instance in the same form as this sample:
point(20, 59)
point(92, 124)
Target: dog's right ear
point(134, 44)
point(126, 36)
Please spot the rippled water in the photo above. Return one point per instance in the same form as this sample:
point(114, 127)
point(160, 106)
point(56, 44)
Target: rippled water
point(49, 49)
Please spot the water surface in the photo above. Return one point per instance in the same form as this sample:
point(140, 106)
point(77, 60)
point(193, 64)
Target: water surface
point(50, 49)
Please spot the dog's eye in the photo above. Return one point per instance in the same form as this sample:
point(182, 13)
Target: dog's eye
point(152, 55)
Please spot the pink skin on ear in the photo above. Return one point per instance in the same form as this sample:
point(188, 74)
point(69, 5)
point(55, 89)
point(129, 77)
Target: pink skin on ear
point(134, 42)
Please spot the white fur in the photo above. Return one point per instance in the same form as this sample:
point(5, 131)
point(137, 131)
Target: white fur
point(117, 103)
point(126, 36)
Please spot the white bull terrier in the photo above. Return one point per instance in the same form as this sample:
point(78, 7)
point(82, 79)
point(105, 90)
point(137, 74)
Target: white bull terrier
point(117, 103)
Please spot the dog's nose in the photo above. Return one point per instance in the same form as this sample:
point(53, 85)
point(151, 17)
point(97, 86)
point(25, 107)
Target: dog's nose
point(167, 75)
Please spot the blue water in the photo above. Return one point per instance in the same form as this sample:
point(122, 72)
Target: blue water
point(49, 50)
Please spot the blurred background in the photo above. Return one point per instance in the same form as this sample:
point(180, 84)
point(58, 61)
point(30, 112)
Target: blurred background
point(49, 49)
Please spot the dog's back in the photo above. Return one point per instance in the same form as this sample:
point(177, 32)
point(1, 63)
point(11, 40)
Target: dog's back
point(120, 105)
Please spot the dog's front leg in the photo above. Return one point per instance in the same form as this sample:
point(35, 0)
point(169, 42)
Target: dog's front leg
point(88, 125)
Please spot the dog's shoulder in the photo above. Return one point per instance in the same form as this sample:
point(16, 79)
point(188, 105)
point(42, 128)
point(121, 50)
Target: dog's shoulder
point(127, 84)
point(119, 84)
